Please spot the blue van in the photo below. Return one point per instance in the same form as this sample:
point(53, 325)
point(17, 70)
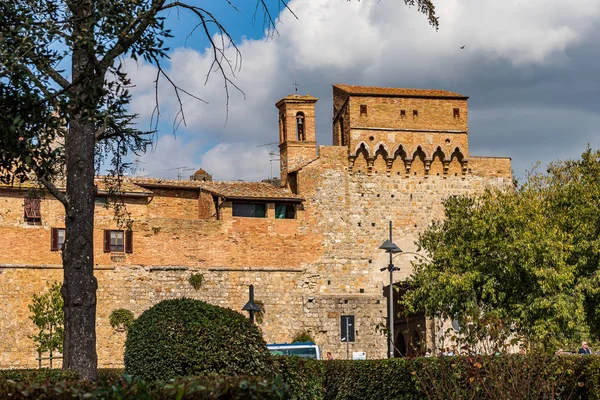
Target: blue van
point(299, 349)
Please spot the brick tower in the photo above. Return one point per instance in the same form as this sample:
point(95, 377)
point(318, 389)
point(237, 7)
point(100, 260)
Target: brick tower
point(297, 137)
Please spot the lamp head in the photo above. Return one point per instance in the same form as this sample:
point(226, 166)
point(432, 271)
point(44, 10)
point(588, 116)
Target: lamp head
point(390, 247)
point(251, 306)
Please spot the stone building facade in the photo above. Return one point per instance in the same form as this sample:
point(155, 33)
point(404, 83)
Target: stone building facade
point(309, 247)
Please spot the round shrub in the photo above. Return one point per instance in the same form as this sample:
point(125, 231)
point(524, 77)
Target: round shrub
point(185, 337)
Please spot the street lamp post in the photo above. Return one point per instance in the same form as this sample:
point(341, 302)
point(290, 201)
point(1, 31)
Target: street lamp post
point(389, 247)
point(251, 306)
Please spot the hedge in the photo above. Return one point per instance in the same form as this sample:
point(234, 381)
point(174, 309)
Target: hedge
point(481, 377)
point(203, 388)
point(305, 377)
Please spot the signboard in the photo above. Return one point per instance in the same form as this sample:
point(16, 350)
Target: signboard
point(347, 328)
point(359, 355)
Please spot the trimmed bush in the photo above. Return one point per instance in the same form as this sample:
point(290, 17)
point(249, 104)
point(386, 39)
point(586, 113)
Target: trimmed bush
point(185, 337)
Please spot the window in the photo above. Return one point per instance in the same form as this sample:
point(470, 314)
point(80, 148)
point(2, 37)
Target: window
point(456, 113)
point(363, 109)
point(32, 214)
point(252, 210)
point(292, 179)
point(100, 201)
point(415, 113)
point(118, 241)
point(285, 211)
point(57, 239)
point(402, 113)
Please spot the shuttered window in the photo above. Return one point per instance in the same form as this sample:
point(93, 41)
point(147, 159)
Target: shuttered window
point(32, 213)
point(118, 241)
point(57, 239)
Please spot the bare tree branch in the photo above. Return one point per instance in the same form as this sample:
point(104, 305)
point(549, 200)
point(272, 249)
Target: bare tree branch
point(54, 191)
point(219, 56)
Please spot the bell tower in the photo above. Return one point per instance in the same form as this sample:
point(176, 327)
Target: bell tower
point(297, 136)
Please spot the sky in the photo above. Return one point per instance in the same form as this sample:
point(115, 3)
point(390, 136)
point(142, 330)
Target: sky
point(529, 67)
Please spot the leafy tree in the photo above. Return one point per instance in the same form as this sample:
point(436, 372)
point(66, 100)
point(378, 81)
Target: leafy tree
point(526, 258)
point(303, 336)
point(47, 314)
point(64, 97)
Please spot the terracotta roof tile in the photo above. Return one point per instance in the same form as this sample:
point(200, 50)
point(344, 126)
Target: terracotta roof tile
point(232, 190)
point(100, 181)
point(248, 190)
point(161, 182)
point(228, 189)
point(126, 186)
point(382, 91)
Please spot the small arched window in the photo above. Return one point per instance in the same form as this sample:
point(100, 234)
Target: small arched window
point(300, 124)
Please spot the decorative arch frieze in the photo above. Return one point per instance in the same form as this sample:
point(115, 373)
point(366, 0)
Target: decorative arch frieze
point(420, 162)
point(361, 161)
point(437, 163)
point(455, 163)
point(398, 161)
point(358, 146)
point(423, 149)
point(380, 159)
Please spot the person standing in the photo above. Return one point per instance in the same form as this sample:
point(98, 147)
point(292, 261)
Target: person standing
point(329, 356)
point(584, 349)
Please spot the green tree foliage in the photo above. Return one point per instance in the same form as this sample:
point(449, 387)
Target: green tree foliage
point(302, 337)
point(64, 96)
point(185, 337)
point(47, 315)
point(524, 259)
point(196, 280)
point(121, 319)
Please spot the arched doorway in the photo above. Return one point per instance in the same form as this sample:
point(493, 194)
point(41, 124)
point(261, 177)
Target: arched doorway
point(410, 330)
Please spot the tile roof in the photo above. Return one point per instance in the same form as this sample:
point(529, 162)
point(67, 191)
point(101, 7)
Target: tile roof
point(127, 187)
point(249, 190)
point(228, 189)
point(170, 183)
point(231, 190)
point(101, 182)
point(382, 91)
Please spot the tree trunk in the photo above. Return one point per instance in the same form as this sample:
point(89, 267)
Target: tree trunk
point(80, 285)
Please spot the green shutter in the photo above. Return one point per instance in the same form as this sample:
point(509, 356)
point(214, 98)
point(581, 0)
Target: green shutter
point(280, 211)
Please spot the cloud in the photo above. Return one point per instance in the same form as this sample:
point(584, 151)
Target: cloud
point(171, 157)
point(252, 163)
point(528, 65)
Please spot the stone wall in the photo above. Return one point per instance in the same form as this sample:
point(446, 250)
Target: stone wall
point(353, 211)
